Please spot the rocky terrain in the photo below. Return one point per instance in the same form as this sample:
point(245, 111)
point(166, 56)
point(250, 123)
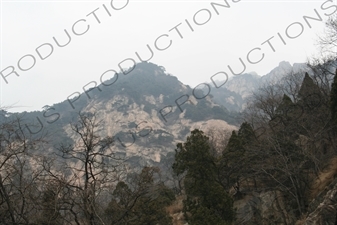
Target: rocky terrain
point(149, 111)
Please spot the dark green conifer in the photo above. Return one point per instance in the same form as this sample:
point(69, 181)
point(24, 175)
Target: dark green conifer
point(207, 201)
point(310, 96)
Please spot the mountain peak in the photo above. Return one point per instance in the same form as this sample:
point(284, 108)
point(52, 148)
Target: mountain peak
point(284, 64)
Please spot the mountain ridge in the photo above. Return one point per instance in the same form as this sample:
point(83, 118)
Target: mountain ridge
point(147, 111)
point(234, 93)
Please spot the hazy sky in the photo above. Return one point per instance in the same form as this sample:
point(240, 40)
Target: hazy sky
point(109, 32)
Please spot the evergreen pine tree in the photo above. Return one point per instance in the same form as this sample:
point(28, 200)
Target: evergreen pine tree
point(207, 201)
point(144, 203)
point(234, 163)
point(310, 96)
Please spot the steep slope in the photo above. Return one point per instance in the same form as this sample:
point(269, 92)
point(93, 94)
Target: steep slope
point(146, 110)
point(243, 84)
point(233, 95)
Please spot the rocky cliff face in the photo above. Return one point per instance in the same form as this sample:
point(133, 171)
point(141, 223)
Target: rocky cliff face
point(143, 135)
point(243, 84)
point(151, 111)
point(263, 208)
point(147, 111)
point(233, 95)
point(323, 210)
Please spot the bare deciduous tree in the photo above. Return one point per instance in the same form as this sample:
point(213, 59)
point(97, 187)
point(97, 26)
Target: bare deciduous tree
point(328, 42)
point(90, 169)
point(19, 171)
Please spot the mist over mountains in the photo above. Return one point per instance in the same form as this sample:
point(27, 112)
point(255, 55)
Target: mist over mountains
point(149, 111)
point(233, 95)
point(144, 121)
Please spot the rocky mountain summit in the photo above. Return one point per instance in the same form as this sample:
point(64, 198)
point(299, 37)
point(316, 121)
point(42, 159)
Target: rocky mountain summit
point(147, 111)
point(233, 95)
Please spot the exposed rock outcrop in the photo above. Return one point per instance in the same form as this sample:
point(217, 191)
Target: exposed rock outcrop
point(323, 210)
point(264, 208)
